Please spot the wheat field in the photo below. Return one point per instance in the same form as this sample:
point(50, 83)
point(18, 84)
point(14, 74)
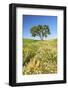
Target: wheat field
point(39, 56)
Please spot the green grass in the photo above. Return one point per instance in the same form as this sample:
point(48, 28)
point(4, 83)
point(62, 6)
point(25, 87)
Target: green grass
point(39, 56)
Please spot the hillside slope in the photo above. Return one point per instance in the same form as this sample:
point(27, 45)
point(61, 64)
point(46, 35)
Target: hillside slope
point(39, 57)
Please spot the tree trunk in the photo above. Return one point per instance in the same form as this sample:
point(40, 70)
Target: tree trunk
point(41, 37)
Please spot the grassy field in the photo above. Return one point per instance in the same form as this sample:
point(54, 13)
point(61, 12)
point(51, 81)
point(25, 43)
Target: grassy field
point(39, 56)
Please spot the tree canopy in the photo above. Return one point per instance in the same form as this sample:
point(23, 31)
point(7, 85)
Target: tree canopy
point(40, 30)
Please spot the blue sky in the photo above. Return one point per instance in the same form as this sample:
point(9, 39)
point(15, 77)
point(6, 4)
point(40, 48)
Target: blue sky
point(32, 20)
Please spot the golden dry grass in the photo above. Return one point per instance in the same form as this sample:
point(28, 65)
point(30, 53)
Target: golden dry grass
point(39, 57)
